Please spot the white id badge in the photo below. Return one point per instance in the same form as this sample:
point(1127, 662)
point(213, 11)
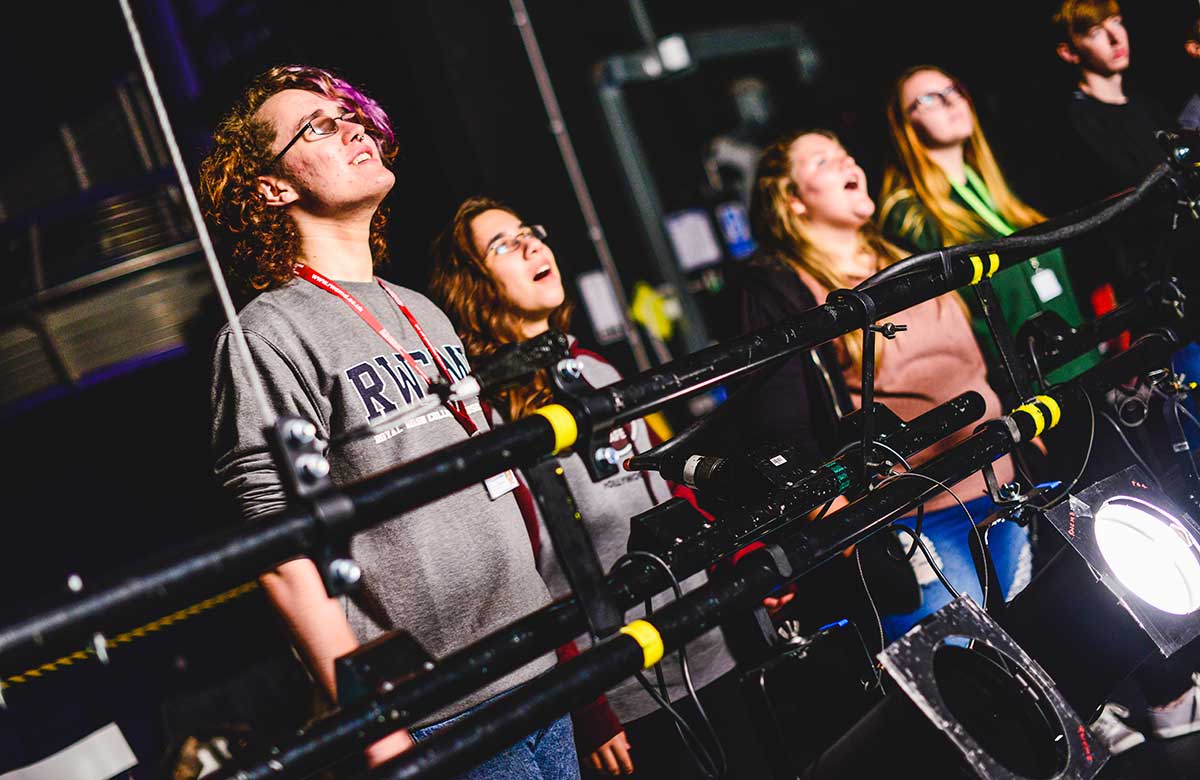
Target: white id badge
point(501, 484)
point(1046, 284)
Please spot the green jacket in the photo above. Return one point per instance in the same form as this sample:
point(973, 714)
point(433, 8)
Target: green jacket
point(908, 223)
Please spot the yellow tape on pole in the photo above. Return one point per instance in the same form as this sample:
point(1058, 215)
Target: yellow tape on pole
point(563, 424)
point(650, 640)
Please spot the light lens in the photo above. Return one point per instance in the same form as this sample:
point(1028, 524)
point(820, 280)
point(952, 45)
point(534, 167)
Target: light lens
point(1150, 552)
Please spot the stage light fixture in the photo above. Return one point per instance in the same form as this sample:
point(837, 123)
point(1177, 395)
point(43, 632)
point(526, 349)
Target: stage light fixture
point(1123, 589)
point(971, 704)
point(1150, 552)
point(990, 699)
point(1143, 548)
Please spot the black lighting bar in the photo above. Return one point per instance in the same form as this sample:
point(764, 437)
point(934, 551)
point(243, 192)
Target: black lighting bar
point(792, 554)
point(513, 646)
point(216, 562)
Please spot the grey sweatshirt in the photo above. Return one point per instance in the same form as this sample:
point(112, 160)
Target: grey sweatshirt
point(606, 507)
point(447, 572)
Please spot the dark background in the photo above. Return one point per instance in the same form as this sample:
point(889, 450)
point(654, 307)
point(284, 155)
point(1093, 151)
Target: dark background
point(101, 476)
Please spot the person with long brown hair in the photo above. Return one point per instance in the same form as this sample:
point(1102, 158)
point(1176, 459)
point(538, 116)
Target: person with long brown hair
point(944, 187)
point(499, 281)
point(294, 184)
point(812, 217)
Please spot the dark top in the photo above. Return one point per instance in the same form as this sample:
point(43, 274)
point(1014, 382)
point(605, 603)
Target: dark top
point(1109, 148)
point(801, 402)
point(1117, 146)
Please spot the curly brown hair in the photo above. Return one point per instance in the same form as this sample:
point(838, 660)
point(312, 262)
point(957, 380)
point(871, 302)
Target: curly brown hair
point(261, 244)
point(462, 285)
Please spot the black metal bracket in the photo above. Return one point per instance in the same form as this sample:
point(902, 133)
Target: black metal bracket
point(1014, 369)
point(300, 457)
point(573, 545)
point(1172, 391)
point(866, 307)
point(569, 389)
point(376, 667)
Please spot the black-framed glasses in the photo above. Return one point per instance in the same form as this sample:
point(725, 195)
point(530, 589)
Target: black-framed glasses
point(321, 124)
point(502, 246)
point(941, 96)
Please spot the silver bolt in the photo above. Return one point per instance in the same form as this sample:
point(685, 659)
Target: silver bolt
point(1010, 491)
point(100, 645)
point(607, 455)
point(75, 583)
point(313, 468)
point(570, 368)
point(345, 571)
point(275, 766)
point(301, 432)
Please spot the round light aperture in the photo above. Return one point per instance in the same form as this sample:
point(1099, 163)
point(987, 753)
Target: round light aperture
point(1150, 552)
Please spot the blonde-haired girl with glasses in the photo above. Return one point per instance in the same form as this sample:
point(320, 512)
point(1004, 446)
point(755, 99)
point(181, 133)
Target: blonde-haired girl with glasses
point(944, 188)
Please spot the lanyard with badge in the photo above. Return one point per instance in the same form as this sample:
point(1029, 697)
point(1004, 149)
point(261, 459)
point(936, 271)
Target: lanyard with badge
point(975, 193)
point(497, 485)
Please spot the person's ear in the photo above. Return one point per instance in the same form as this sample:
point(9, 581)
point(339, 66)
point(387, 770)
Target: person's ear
point(797, 206)
point(1067, 53)
point(1192, 48)
point(276, 191)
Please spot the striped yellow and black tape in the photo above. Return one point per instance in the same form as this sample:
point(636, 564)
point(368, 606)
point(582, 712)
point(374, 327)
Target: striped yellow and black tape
point(1043, 410)
point(129, 636)
point(981, 271)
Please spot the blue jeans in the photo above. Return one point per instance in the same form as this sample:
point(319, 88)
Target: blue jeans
point(945, 533)
point(546, 754)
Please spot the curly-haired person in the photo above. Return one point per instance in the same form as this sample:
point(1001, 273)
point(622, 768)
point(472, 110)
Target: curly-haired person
point(293, 185)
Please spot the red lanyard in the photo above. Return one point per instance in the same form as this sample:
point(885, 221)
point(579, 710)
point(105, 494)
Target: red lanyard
point(459, 410)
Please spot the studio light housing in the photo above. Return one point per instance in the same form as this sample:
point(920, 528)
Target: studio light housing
point(990, 699)
point(971, 703)
point(1143, 548)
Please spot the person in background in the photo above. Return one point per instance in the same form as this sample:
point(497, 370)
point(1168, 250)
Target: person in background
point(944, 188)
point(1111, 147)
point(294, 184)
point(812, 217)
point(500, 283)
point(1108, 146)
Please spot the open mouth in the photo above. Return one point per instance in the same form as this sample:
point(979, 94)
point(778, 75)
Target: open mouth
point(542, 273)
point(852, 184)
point(361, 158)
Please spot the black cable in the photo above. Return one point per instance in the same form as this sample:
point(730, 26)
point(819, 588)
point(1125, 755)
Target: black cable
point(876, 666)
point(1184, 410)
point(1176, 407)
point(875, 612)
point(929, 557)
point(1033, 239)
point(1086, 457)
point(1031, 343)
point(961, 505)
point(920, 517)
point(699, 752)
point(1124, 440)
